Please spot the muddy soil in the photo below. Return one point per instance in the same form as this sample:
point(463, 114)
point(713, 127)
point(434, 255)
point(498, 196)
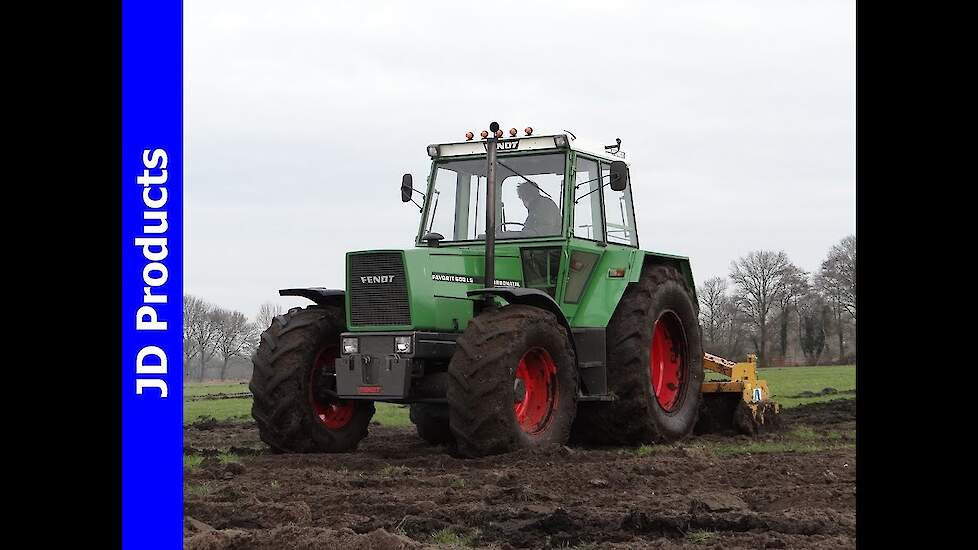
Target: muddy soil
point(398, 492)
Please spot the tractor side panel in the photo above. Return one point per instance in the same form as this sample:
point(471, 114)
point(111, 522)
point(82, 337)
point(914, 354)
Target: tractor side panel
point(441, 277)
point(607, 283)
point(606, 287)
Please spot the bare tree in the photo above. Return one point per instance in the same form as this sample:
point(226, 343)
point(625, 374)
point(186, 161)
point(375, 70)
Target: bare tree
point(266, 313)
point(840, 269)
point(206, 335)
point(760, 278)
point(734, 332)
point(194, 314)
point(234, 338)
point(837, 281)
point(713, 300)
point(795, 285)
point(812, 319)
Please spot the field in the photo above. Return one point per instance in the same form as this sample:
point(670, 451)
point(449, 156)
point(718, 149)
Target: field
point(791, 489)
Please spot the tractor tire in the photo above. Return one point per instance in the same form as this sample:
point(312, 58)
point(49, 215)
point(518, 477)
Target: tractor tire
point(295, 404)
point(431, 420)
point(655, 366)
point(512, 382)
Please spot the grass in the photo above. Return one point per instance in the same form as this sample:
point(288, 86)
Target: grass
point(228, 457)
point(391, 414)
point(646, 450)
point(388, 414)
point(196, 490)
point(450, 536)
point(192, 461)
point(394, 471)
point(193, 389)
point(221, 409)
point(700, 536)
point(801, 439)
point(786, 382)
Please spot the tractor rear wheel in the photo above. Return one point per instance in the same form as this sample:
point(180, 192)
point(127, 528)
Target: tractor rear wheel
point(512, 382)
point(655, 365)
point(294, 385)
point(431, 420)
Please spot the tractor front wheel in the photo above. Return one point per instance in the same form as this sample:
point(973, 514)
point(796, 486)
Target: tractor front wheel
point(294, 385)
point(512, 382)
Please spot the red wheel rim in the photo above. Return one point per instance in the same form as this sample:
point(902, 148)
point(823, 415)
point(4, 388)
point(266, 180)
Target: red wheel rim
point(666, 361)
point(535, 387)
point(333, 414)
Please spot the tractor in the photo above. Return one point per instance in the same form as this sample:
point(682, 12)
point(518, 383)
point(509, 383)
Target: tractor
point(526, 315)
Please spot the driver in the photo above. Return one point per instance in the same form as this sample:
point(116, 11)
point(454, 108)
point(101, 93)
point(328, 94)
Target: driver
point(543, 216)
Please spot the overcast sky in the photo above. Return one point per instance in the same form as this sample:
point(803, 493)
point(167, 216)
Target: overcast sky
point(300, 118)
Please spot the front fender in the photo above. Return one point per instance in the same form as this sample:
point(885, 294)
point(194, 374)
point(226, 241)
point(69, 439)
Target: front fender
point(530, 297)
point(320, 295)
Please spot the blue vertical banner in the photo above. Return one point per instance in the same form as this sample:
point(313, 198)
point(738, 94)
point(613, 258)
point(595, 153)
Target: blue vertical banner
point(152, 274)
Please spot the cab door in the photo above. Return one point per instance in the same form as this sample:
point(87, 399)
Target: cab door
point(587, 244)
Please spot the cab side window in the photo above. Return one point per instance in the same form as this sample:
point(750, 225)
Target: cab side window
point(619, 215)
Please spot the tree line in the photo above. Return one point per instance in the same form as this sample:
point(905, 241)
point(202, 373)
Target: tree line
point(214, 333)
point(770, 307)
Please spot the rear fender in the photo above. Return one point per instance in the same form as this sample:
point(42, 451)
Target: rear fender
point(680, 263)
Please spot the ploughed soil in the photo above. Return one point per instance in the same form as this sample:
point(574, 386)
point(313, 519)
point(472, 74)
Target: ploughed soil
point(713, 491)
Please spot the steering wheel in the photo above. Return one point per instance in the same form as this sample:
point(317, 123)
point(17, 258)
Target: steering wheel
point(504, 224)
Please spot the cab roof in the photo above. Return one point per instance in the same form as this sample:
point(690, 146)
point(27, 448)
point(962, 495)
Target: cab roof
point(535, 142)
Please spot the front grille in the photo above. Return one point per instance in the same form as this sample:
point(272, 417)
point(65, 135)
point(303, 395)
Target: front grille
point(378, 289)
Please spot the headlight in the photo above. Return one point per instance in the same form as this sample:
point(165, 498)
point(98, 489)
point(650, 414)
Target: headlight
point(560, 141)
point(402, 344)
point(432, 151)
point(350, 345)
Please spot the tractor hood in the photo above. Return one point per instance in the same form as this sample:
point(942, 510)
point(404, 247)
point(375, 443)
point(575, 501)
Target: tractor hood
point(421, 288)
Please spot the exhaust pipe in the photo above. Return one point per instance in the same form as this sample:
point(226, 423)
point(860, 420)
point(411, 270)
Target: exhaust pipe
point(490, 271)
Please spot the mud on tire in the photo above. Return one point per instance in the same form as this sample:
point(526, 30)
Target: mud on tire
point(295, 404)
point(638, 415)
point(485, 396)
point(431, 420)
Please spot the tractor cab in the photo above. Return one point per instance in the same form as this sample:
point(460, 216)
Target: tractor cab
point(553, 193)
point(569, 189)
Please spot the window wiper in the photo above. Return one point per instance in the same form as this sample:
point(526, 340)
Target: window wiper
point(528, 180)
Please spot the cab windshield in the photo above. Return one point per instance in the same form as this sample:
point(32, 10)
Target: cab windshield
point(528, 198)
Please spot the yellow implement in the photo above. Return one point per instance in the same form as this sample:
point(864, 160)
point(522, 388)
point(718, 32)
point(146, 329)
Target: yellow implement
point(742, 402)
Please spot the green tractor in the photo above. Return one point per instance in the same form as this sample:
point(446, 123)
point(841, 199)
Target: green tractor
point(536, 321)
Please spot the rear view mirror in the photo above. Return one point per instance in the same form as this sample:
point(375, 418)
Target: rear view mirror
point(619, 175)
point(407, 187)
